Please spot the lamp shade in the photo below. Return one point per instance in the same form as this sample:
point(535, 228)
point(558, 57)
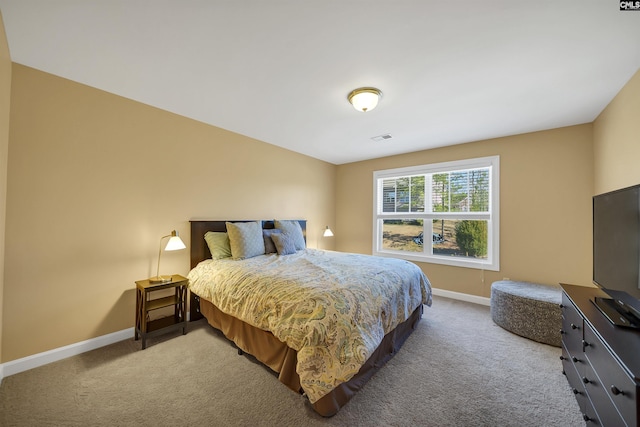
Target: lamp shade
point(365, 98)
point(327, 232)
point(175, 243)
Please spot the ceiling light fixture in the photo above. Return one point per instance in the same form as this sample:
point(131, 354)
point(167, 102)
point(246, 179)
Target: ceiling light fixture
point(365, 98)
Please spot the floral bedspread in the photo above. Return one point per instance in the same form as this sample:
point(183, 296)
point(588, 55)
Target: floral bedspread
point(333, 308)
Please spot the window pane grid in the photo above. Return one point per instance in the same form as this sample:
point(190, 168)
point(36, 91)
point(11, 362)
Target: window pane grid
point(461, 191)
point(442, 215)
point(403, 194)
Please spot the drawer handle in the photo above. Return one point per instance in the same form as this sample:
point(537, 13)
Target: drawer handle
point(616, 391)
point(573, 326)
point(575, 391)
point(585, 380)
point(562, 332)
point(575, 359)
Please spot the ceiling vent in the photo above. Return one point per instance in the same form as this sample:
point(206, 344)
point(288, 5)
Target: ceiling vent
point(384, 137)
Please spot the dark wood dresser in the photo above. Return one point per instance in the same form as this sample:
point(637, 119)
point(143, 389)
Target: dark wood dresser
point(601, 361)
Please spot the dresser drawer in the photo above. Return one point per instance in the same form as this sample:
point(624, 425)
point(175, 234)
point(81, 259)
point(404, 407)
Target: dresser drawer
point(571, 328)
point(575, 379)
point(597, 393)
point(610, 380)
point(590, 415)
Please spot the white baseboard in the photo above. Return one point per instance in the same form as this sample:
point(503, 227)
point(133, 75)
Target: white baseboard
point(462, 297)
point(35, 360)
point(40, 359)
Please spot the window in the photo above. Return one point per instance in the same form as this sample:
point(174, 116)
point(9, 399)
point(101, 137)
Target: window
point(444, 213)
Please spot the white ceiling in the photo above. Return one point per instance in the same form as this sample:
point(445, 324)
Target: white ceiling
point(279, 71)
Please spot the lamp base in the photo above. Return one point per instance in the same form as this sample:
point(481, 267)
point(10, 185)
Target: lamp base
point(160, 279)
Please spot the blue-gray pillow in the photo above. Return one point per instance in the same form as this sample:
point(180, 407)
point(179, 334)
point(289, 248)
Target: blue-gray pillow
point(218, 243)
point(269, 246)
point(284, 243)
point(245, 239)
point(293, 229)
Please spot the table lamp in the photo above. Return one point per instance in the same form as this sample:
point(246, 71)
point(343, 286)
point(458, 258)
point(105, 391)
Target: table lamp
point(175, 243)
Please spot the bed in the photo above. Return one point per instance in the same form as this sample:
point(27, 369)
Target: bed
point(325, 336)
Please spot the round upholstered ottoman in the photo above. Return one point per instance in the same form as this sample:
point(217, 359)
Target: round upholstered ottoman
point(528, 309)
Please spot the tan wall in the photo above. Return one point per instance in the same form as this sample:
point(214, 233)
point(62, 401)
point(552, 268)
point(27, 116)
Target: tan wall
point(545, 207)
point(616, 138)
point(5, 91)
point(95, 180)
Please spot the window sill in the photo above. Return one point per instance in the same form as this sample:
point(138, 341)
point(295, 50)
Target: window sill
point(443, 260)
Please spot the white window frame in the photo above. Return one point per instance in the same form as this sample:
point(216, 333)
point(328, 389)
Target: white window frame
point(492, 262)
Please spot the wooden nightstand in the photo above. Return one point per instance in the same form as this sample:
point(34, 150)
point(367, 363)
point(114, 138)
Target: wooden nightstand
point(144, 304)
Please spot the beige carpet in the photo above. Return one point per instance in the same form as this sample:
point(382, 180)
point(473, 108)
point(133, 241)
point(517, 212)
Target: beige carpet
point(457, 369)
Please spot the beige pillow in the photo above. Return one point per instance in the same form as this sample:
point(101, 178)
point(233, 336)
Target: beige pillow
point(218, 243)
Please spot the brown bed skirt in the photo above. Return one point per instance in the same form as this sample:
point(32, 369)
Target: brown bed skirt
point(265, 347)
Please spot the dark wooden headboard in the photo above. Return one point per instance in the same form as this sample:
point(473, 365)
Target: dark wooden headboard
point(200, 250)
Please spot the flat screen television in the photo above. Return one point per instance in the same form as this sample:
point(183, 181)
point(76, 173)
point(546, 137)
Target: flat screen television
point(616, 254)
